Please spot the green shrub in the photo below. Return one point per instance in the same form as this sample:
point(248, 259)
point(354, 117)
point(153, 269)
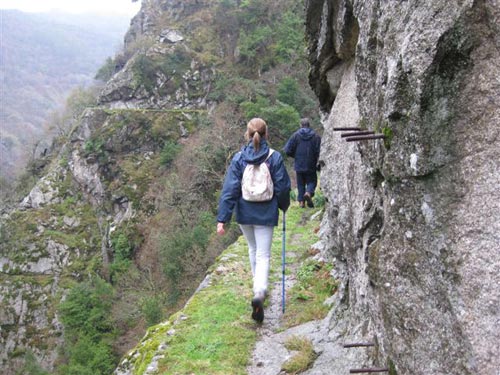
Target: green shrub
point(282, 118)
point(151, 309)
point(289, 92)
point(87, 357)
point(289, 36)
point(86, 309)
point(88, 329)
point(93, 146)
point(184, 251)
point(169, 152)
point(319, 199)
point(106, 71)
point(117, 268)
point(144, 70)
point(121, 246)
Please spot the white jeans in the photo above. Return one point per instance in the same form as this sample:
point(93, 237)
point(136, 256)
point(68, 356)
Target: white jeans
point(259, 239)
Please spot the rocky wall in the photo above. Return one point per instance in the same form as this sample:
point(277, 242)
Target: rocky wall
point(413, 221)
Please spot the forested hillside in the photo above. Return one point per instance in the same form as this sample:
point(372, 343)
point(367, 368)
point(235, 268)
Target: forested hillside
point(42, 58)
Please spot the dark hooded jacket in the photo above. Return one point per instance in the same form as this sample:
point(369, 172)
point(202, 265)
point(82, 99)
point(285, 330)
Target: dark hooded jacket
point(255, 213)
point(304, 146)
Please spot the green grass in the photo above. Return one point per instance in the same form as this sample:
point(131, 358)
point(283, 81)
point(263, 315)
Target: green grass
point(303, 357)
point(218, 342)
point(306, 298)
point(214, 333)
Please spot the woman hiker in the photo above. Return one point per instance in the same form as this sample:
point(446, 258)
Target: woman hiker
point(256, 219)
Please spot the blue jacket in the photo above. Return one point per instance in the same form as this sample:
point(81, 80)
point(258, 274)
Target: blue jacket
point(256, 213)
point(304, 146)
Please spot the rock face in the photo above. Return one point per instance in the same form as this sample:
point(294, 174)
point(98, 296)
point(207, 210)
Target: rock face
point(413, 221)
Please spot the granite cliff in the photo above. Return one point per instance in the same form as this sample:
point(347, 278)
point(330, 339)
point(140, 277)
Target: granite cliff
point(118, 229)
point(413, 220)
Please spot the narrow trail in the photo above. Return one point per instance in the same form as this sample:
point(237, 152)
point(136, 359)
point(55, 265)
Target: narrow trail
point(269, 347)
point(269, 352)
point(326, 334)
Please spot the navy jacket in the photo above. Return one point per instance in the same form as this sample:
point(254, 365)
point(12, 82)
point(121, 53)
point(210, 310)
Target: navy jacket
point(255, 213)
point(304, 146)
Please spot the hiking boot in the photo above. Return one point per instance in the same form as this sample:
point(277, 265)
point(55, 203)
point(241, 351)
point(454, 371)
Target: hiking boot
point(307, 197)
point(301, 204)
point(258, 309)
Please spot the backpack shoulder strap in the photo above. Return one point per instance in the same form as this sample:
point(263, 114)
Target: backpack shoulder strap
point(269, 155)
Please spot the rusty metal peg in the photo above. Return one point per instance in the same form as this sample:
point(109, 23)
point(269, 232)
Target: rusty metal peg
point(364, 132)
point(365, 137)
point(346, 129)
point(367, 370)
point(358, 344)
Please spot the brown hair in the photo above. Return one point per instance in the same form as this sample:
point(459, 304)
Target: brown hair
point(256, 130)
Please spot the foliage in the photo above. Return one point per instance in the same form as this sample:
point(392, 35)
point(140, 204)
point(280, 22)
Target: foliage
point(31, 366)
point(85, 314)
point(169, 152)
point(151, 309)
point(319, 199)
point(93, 146)
point(121, 245)
point(290, 37)
point(254, 46)
point(123, 240)
point(106, 71)
point(282, 118)
point(184, 251)
point(237, 89)
point(87, 357)
point(306, 299)
point(86, 308)
point(289, 92)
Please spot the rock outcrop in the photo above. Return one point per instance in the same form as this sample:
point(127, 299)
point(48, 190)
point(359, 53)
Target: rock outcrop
point(413, 220)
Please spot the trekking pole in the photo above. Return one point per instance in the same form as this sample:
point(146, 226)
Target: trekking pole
point(283, 262)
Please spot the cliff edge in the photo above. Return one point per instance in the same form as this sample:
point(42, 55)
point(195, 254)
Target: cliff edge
point(413, 219)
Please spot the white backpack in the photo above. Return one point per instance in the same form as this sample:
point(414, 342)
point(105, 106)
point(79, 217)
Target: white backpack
point(257, 183)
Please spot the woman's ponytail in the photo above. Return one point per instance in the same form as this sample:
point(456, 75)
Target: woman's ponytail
point(256, 141)
point(256, 130)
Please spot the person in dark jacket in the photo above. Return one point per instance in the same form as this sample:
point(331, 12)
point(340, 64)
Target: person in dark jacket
point(304, 146)
point(256, 219)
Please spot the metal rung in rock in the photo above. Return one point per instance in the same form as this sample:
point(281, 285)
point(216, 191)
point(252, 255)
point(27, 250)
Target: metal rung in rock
point(365, 137)
point(367, 370)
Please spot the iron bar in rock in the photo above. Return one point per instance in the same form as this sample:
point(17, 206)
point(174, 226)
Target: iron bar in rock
point(367, 370)
point(365, 137)
point(346, 129)
point(358, 344)
point(364, 132)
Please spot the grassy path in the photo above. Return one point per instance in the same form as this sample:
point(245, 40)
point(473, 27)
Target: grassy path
point(214, 333)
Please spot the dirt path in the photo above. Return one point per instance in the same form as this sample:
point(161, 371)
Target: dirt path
point(326, 335)
point(269, 352)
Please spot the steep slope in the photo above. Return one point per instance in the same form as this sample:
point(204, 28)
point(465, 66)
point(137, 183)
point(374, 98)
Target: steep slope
point(412, 220)
point(214, 333)
point(118, 232)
